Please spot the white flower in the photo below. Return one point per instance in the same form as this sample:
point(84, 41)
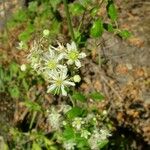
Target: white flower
point(85, 133)
point(94, 139)
point(54, 119)
point(97, 137)
point(73, 55)
point(69, 145)
point(35, 57)
point(23, 67)
point(104, 134)
point(78, 122)
point(77, 78)
point(59, 82)
point(52, 60)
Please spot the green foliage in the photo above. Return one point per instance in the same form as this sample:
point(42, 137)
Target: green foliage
point(79, 97)
point(76, 9)
point(75, 112)
point(69, 133)
point(16, 82)
point(112, 12)
point(97, 28)
point(96, 96)
point(124, 34)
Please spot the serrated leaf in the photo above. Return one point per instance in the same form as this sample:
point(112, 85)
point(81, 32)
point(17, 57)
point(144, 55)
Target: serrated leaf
point(97, 28)
point(74, 112)
point(112, 11)
point(97, 96)
point(79, 97)
point(76, 9)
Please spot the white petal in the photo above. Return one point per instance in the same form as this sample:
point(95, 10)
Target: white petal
point(73, 46)
point(69, 62)
point(64, 73)
point(78, 63)
point(82, 55)
point(61, 56)
point(64, 93)
point(51, 88)
point(69, 48)
point(69, 83)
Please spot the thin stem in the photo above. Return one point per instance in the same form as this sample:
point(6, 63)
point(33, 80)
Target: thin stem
point(32, 119)
point(69, 20)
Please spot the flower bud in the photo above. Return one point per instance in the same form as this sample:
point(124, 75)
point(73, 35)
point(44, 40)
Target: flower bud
point(23, 67)
point(46, 32)
point(77, 78)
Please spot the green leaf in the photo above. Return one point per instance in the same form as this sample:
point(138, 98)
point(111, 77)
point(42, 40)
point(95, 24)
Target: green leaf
point(112, 11)
point(14, 91)
point(32, 105)
point(76, 9)
point(125, 34)
point(97, 28)
point(74, 112)
point(97, 96)
point(79, 97)
point(69, 133)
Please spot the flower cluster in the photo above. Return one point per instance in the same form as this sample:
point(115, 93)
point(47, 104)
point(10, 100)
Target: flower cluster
point(53, 63)
point(88, 128)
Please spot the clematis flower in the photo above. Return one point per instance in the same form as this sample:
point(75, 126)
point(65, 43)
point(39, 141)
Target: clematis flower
point(52, 60)
point(78, 122)
point(59, 81)
point(54, 119)
point(73, 55)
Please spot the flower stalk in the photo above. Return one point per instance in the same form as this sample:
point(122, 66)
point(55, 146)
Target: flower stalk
point(69, 20)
